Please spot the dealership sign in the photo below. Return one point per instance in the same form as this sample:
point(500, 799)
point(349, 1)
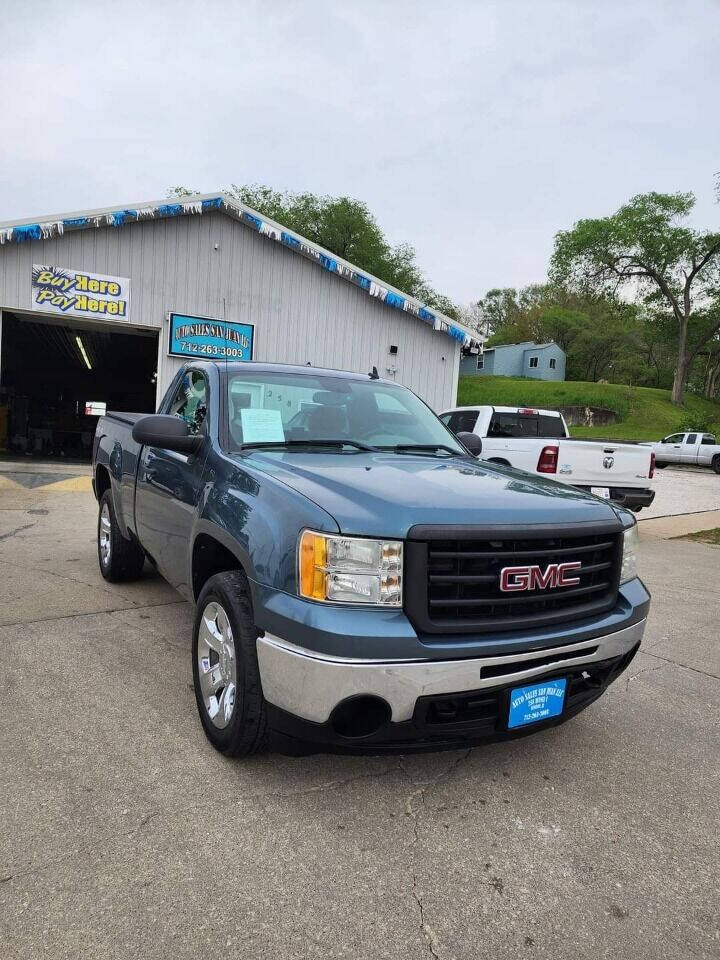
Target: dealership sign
point(204, 337)
point(79, 293)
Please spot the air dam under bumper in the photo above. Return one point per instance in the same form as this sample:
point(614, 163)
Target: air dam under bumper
point(423, 704)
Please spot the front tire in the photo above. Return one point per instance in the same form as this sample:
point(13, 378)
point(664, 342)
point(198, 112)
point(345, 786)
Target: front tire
point(120, 559)
point(226, 675)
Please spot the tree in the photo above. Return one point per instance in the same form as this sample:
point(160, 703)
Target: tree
point(645, 249)
point(598, 351)
point(655, 349)
point(499, 308)
point(345, 227)
point(472, 316)
point(602, 335)
point(712, 372)
point(558, 324)
point(710, 385)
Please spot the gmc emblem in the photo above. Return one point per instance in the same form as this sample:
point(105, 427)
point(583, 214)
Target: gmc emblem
point(534, 577)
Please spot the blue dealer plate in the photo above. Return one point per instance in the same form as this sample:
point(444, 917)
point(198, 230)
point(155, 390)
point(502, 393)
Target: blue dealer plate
point(540, 701)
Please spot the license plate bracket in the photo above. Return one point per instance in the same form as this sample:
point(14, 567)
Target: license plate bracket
point(536, 702)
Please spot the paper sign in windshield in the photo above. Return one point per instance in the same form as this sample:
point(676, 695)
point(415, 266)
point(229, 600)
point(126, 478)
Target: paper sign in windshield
point(261, 426)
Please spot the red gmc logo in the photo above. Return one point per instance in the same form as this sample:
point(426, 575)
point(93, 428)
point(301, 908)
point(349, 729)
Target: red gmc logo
point(535, 578)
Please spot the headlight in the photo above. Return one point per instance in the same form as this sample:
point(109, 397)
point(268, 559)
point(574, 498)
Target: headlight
point(628, 570)
point(350, 569)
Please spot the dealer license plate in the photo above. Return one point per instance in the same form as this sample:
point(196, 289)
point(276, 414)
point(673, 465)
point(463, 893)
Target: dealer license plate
point(603, 492)
point(537, 702)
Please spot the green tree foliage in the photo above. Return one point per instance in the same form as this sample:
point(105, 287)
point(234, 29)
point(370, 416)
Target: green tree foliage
point(603, 336)
point(347, 228)
point(706, 376)
point(499, 309)
point(646, 251)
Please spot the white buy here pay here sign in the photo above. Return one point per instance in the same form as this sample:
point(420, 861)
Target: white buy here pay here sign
point(80, 293)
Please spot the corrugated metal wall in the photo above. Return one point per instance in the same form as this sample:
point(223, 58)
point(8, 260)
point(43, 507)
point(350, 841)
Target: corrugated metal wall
point(300, 311)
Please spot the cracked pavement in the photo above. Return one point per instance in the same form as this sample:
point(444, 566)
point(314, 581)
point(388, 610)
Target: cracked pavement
point(125, 835)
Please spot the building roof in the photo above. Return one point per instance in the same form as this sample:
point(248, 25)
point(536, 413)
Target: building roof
point(48, 226)
point(526, 345)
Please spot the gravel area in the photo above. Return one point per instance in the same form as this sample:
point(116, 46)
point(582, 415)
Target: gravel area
point(683, 490)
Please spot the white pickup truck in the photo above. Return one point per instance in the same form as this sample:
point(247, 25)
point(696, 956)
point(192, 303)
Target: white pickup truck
point(701, 449)
point(538, 441)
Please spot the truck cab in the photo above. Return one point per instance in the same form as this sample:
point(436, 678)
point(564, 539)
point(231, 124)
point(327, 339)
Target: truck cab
point(694, 447)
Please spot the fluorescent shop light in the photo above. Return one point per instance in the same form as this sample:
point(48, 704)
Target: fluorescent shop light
point(81, 348)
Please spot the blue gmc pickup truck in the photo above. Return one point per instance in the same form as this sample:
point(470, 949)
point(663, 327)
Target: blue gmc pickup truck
point(362, 583)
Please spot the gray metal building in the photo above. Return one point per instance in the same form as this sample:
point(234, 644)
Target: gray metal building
point(86, 301)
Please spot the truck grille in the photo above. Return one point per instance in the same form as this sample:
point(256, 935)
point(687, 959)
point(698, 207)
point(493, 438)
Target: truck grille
point(456, 580)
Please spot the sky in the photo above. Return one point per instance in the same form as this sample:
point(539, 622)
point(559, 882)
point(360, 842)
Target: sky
point(473, 130)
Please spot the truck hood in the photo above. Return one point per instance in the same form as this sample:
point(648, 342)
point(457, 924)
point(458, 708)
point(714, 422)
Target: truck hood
point(384, 494)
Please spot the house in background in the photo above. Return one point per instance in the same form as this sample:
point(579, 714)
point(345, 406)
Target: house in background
point(541, 361)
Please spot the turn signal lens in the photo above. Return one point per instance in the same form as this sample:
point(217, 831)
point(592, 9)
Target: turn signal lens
point(313, 555)
point(350, 569)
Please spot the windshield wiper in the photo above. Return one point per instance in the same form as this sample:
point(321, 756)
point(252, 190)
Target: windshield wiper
point(425, 448)
point(279, 444)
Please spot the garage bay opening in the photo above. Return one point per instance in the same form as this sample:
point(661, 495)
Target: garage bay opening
point(56, 379)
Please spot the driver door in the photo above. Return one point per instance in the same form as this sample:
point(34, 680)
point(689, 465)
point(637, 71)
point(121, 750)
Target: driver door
point(169, 486)
point(671, 448)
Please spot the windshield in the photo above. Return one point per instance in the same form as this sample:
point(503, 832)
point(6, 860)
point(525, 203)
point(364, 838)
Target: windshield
point(290, 408)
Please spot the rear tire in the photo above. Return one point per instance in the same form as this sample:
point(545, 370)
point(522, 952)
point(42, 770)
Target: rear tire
point(716, 463)
point(226, 675)
point(660, 466)
point(120, 559)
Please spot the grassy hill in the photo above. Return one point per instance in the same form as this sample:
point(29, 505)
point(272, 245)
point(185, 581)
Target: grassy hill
point(643, 412)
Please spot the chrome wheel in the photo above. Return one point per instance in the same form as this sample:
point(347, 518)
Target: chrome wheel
point(216, 665)
point(105, 533)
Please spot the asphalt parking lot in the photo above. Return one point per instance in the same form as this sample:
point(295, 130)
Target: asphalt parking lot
point(125, 835)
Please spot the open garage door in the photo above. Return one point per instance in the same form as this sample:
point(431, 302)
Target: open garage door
point(57, 378)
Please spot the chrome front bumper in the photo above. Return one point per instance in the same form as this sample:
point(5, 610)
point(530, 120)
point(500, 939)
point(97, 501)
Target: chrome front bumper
point(310, 685)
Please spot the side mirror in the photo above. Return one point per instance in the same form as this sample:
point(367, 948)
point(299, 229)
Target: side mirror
point(170, 433)
point(471, 442)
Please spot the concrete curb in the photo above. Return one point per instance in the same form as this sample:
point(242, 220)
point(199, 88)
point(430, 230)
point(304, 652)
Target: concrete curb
point(663, 528)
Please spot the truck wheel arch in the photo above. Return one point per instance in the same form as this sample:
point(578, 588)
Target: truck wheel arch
point(210, 555)
point(102, 481)
point(499, 461)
